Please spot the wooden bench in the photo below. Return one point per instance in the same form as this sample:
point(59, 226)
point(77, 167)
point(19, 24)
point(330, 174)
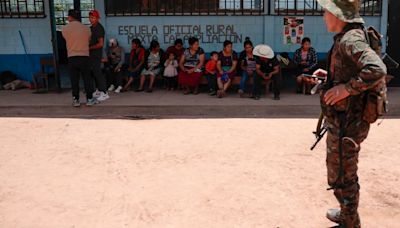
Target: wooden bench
point(286, 74)
point(237, 79)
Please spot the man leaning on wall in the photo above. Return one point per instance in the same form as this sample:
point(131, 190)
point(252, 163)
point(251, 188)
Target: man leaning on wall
point(96, 55)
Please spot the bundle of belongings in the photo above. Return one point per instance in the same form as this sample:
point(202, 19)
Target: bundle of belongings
point(9, 81)
point(284, 58)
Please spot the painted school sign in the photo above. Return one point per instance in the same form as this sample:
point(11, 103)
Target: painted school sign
point(167, 34)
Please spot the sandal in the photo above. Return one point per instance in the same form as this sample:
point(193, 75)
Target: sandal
point(220, 94)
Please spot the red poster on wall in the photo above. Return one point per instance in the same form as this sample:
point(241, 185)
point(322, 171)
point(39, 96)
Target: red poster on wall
point(293, 30)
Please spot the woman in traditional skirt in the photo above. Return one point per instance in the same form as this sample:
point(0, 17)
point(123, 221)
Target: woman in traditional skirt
point(191, 64)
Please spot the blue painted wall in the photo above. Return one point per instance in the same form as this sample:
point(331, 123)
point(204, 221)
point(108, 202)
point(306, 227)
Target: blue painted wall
point(22, 65)
point(261, 29)
point(37, 36)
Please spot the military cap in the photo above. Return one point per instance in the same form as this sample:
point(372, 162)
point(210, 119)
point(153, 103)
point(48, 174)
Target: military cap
point(346, 10)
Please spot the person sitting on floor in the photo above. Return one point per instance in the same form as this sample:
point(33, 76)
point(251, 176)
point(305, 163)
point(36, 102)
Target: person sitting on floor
point(306, 60)
point(136, 62)
point(267, 68)
point(9, 81)
point(152, 66)
point(227, 62)
point(211, 73)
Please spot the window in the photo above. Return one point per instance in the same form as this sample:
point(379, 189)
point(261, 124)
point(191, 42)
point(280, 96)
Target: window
point(371, 8)
point(183, 7)
point(297, 7)
point(241, 4)
point(311, 7)
point(61, 8)
point(61, 11)
point(86, 7)
point(22, 9)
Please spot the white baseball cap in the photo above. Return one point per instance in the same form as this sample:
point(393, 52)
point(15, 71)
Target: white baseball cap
point(113, 42)
point(263, 50)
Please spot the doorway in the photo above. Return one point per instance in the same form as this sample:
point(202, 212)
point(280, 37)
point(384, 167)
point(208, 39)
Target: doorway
point(393, 39)
point(61, 8)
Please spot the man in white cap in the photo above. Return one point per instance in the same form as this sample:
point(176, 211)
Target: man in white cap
point(267, 68)
point(116, 59)
point(355, 74)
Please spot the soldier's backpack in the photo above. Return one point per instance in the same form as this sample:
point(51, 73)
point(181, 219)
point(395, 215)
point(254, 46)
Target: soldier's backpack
point(376, 104)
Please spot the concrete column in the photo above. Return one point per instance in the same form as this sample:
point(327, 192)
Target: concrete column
point(384, 23)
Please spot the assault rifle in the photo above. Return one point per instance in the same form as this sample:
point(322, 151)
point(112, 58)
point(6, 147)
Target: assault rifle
point(320, 131)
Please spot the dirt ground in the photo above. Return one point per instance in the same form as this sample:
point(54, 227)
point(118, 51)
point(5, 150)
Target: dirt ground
point(57, 173)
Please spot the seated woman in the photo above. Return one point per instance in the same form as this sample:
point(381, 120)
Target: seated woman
point(247, 65)
point(177, 49)
point(190, 65)
point(306, 60)
point(152, 67)
point(227, 62)
point(136, 62)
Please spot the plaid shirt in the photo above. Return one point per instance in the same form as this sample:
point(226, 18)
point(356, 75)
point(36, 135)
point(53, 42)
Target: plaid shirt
point(311, 60)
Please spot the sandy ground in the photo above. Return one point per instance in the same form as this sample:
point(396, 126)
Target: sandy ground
point(68, 173)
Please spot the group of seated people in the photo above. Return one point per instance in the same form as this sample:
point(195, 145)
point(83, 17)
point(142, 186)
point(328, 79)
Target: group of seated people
point(184, 67)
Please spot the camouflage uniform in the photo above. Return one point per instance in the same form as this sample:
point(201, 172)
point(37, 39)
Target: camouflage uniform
point(351, 62)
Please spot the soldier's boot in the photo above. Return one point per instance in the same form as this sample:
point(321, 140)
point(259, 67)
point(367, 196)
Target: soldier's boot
point(347, 216)
point(333, 215)
point(351, 221)
point(349, 206)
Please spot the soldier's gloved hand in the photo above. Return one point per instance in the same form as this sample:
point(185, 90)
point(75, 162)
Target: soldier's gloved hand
point(336, 94)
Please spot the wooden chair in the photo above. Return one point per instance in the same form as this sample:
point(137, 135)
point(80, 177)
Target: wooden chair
point(238, 78)
point(47, 70)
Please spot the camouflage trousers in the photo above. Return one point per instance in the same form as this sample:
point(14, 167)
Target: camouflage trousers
point(346, 187)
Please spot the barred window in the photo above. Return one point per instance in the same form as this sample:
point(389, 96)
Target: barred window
point(183, 7)
point(297, 7)
point(61, 8)
point(371, 8)
point(311, 7)
point(22, 9)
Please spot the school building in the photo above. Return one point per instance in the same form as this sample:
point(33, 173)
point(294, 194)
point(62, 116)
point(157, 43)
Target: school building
point(30, 29)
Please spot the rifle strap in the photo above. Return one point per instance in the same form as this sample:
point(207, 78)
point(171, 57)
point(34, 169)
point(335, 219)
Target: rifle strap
point(329, 79)
point(339, 184)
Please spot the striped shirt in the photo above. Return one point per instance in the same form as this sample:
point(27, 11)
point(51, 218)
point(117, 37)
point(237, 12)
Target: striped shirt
point(311, 59)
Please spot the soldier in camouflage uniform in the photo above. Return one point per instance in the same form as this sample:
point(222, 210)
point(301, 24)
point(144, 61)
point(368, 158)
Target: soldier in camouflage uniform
point(354, 69)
